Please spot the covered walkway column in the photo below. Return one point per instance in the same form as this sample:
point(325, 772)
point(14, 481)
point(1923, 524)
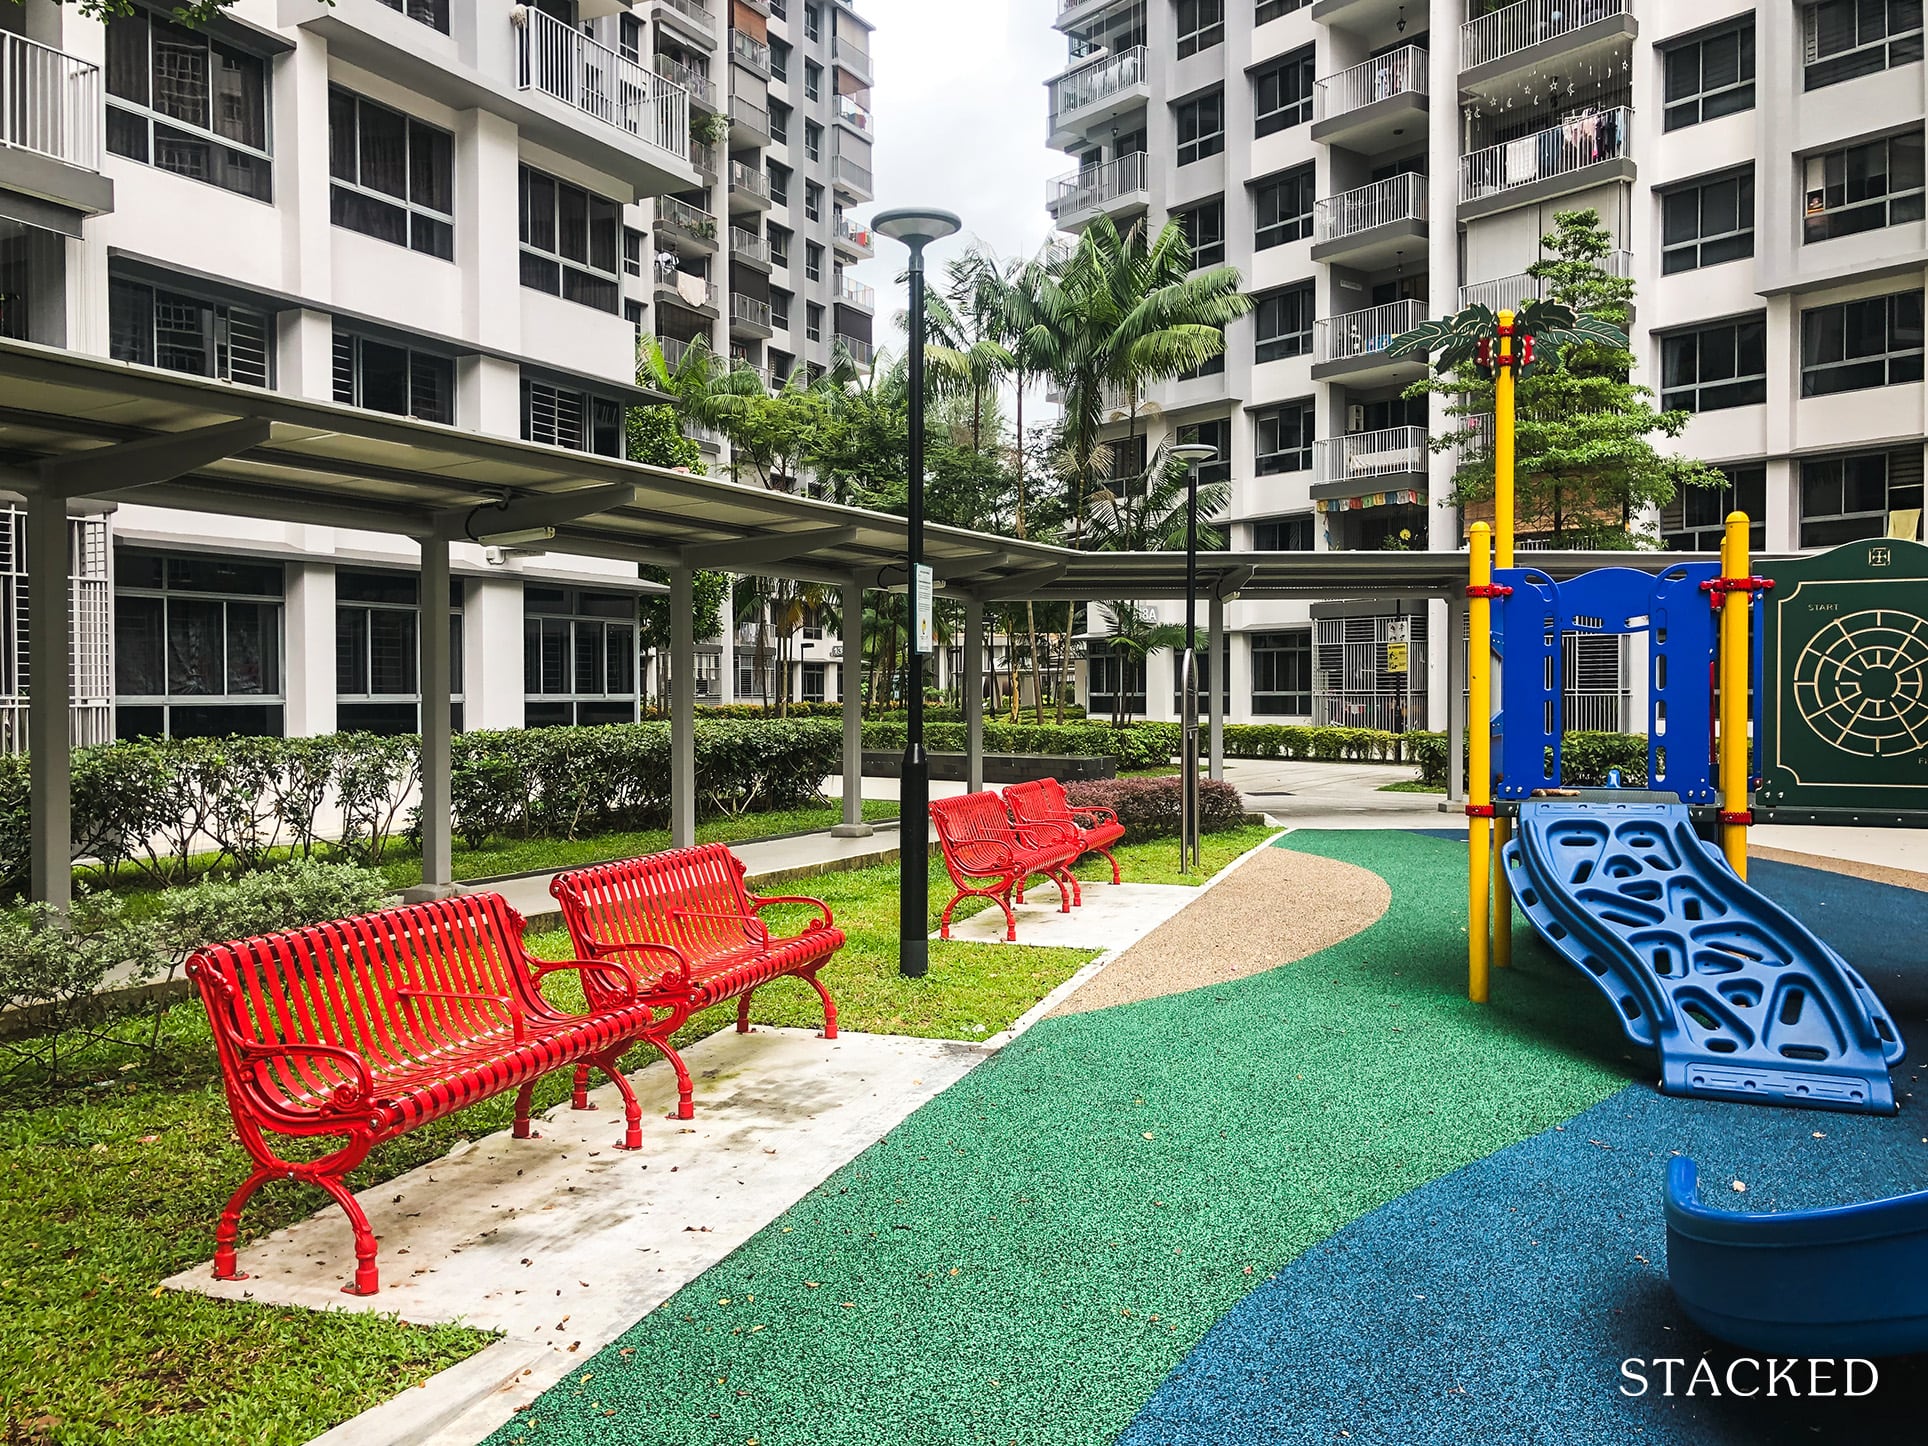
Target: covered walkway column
point(49, 686)
point(682, 707)
point(850, 689)
point(1217, 676)
point(438, 872)
point(971, 691)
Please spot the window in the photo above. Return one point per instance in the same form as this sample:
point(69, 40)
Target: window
point(1857, 344)
point(1282, 673)
point(378, 656)
point(812, 681)
point(780, 122)
point(812, 261)
point(1106, 674)
point(181, 102)
point(780, 308)
point(1201, 25)
point(393, 177)
point(780, 63)
point(1696, 520)
point(1201, 127)
point(1843, 39)
point(1284, 92)
point(161, 328)
point(1215, 433)
point(1847, 498)
point(197, 646)
point(387, 378)
point(563, 417)
point(629, 38)
point(632, 251)
point(812, 201)
point(1284, 438)
point(1711, 76)
point(779, 182)
point(1283, 534)
point(812, 321)
point(1212, 366)
point(1707, 222)
point(1276, 9)
point(779, 243)
point(578, 656)
point(813, 22)
point(432, 13)
point(1205, 232)
point(1282, 208)
point(780, 9)
point(1284, 323)
point(813, 140)
point(569, 241)
point(812, 80)
point(1713, 367)
point(633, 313)
point(1205, 672)
point(1863, 188)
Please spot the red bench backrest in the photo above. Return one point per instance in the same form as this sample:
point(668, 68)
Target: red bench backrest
point(1040, 800)
point(337, 983)
point(630, 903)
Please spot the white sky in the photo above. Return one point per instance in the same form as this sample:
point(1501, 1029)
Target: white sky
point(960, 106)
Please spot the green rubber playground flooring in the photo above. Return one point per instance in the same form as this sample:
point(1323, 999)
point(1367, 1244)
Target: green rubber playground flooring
point(1028, 1255)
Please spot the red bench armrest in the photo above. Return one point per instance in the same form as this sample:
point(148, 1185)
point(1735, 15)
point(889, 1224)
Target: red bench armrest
point(609, 969)
point(970, 851)
point(346, 1096)
point(500, 1001)
point(757, 903)
point(1090, 817)
point(758, 929)
point(1046, 835)
point(682, 959)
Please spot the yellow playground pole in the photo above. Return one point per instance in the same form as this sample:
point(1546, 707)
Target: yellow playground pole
point(1735, 657)
point(1504, 421)
point(1479, 779)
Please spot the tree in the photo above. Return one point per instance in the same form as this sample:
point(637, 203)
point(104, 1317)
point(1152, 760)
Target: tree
point(1587, 470)
point(1135, 632)
point(1157, 521)
point(655, 438)
point(187, 12)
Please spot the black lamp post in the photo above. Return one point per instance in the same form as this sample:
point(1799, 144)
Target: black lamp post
point(1193, 454)
point(916, 228)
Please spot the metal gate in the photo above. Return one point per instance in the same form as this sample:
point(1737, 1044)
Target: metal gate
point(90, 634)
point(1358, 676)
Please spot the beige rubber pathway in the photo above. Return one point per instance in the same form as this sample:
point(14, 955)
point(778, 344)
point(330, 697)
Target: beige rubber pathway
point(1278, 907)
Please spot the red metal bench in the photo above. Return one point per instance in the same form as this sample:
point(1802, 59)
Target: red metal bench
point(983, 847)
point(1043, 801)
point(689, 932)
point(365, 1028)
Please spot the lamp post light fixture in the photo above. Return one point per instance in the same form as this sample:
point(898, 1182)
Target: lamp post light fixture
point(1193, 455)
point(916, 228)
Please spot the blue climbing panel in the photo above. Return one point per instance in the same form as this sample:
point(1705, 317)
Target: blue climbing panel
point(1741, 1000)
point(1681, 629)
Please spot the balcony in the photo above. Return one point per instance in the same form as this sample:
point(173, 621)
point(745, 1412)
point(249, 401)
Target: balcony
point(705, 436)
point(1532, 35)
point(685, 290)
point(852, 178)
point(1372, 225)
point(1115, 188)
point(749, 188)
point(702, 90)
point(852, 292)
point(749, 247)
point(1367, 107)
point(1096, 91)
point(1353, 345)
point(852, 54)
point(687, 230)
point(50, 126)
point(1505, 293)
point(861, 351)
point(1366, 463)
point(854, 238)
point(748, 316)
point(1568, 157)
point(704, 158)
point(749, 124)
point(693, 16)
point(560, 62)
point(854, 113)
point(750, 53)
point(675, 350)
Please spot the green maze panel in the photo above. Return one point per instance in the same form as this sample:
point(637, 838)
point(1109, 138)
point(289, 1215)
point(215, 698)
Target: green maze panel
point(1846, 663)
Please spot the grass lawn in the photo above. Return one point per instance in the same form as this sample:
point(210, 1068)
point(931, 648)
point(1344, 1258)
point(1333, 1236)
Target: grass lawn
point(111, 1186)
point(1412, 785)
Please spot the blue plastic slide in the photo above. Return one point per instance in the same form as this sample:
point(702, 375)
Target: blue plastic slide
point(1739, 998)
point(1848, 1281)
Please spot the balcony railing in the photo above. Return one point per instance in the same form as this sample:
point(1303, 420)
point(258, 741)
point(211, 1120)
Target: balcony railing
point(1514, 28)
point(748, 179)
point(1365, 455)
point(860, 351)
point(675, 349)
point(856, 235)
point(853, 112)
point(749, 245)
point(562, 62)
point(1090, 189)
point(850, 54)
point(1363, 333)
point(749, 113)
point(49, 102)
point(853, 292)
point(1561, 150)
point(1401, 73)
point(1096, 81)
point(695, 82)
point(703, 157)
point(692, 221)
point(1397, 198)
point(748, 311)
point(853, 176)
point(751, 51)
point(1505, 293)
point(697, 10)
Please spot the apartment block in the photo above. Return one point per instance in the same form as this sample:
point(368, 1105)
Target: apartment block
point(1367, 163)
point(463, 213)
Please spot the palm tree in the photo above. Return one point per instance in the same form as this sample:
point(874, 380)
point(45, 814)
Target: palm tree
point(1157, 520)
point(962, 347)
point(1135, 632)
point(701, 388)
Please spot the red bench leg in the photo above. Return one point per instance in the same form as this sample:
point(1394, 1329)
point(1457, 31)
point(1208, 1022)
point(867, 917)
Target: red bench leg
point(1115, 876)
point(524, 1098)
point(632, 1111)
point(229, 1227)
point(685, 1104)
point(829, 1005)
point(580, 1099)
point(366, 1281)
point(743, 1014)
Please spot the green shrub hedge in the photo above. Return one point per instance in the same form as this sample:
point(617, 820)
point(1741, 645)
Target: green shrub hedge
point(1585, 758)
point(1149, 807)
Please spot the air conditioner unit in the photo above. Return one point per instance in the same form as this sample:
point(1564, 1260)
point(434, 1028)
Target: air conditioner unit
point(1355, 417)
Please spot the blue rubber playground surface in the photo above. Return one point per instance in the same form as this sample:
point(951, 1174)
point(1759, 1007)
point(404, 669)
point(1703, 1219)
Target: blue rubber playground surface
point(1334, 1202)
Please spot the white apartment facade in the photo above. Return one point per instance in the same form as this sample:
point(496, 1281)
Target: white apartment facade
point(446, 210)
point(1368, 163)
